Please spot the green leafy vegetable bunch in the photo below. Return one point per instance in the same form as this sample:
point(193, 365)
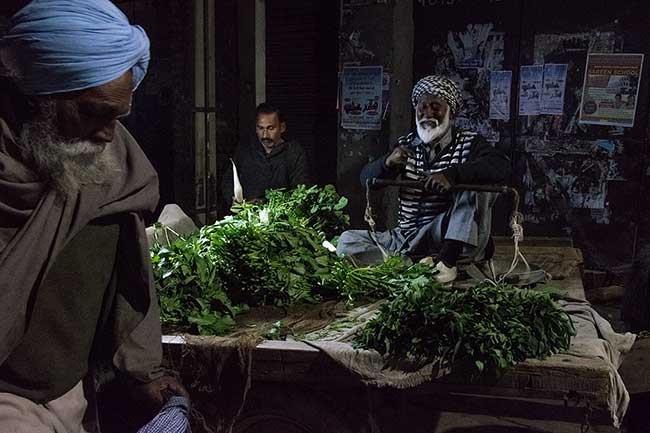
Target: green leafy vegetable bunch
point(191, 295)
point(486, 326)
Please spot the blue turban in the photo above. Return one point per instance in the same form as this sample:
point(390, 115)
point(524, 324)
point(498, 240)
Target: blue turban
point(59, 46)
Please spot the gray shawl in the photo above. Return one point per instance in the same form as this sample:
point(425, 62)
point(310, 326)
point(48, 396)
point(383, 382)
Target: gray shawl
point(35, 225)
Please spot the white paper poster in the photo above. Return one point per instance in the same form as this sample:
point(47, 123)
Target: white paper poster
point(361, 94)
point(553, 89)
point(610, 89)
point(500, 85)
point(530, 90)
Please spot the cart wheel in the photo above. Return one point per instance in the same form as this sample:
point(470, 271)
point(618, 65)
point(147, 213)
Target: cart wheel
point(269, 423)
point(286, 409)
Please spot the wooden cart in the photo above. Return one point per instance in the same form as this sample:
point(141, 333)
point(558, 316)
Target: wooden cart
point(291, 386)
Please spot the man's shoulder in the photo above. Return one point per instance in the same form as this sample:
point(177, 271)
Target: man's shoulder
point(294, 146)
point(467, 137)
point(409, 139)
point(124, 144)
point(292, 142)
point(467, 134)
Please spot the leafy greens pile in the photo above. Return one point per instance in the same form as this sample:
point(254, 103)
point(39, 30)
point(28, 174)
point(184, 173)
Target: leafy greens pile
point(321, 208)
point(189, 289)
point(490, 327)
point(273, 254)
point(270, 254)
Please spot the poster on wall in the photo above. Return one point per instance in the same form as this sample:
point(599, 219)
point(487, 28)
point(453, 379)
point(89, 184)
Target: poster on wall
point(361, 97)
point(450, 53)
point(385, 94)
point(610, 90)
point(468, 47)
point(500, 84)
point(553, 89)
point(530, 90)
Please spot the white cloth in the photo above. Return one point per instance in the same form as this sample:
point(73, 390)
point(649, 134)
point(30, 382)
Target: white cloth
point(594, 338)
point(63, 415)
point(172, 217)
point(597, 339)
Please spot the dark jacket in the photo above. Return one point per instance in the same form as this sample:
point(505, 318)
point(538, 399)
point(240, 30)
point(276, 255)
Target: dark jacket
point(468, 159)
point(258, 171)
point(486, 165)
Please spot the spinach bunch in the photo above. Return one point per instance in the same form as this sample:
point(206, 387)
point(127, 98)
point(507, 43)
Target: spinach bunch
point(268, 262)
point(489, 327)
point(378, 281)
point(191, 295)
point(321, 207)
point(264, 254)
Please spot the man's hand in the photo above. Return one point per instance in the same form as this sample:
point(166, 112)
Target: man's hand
point(437, 182)
point(155, 393)
point(399, 157)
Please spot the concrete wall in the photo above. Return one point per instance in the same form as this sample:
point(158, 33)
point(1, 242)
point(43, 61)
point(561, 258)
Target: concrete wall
point(384, 31)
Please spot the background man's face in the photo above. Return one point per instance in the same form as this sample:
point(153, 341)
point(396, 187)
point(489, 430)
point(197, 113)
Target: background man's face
point(431, 107)
point(92, 114)
point(432, 118)
point(269, 129)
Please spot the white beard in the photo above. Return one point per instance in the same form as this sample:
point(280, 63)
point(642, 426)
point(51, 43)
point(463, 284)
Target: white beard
point(66, 164)
point(428, 133)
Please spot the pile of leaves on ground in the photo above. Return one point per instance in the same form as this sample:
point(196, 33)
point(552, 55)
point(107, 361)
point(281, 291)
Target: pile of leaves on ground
point(488, 327)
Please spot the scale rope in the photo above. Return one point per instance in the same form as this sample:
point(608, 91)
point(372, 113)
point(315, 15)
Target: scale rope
point(516, 221)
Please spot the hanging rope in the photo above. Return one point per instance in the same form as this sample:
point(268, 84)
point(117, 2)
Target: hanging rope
point(367, 217)
point(516, 221)
point(516, 225)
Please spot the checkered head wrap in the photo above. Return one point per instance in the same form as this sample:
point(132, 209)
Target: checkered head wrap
point(440, 86)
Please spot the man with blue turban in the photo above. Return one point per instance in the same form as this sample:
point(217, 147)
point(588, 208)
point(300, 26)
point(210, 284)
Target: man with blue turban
point(432, 220)
point(76, 292)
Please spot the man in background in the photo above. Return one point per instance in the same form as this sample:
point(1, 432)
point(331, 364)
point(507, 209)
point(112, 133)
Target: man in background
point(76, 289)
point(268, 160)
point(433, 220)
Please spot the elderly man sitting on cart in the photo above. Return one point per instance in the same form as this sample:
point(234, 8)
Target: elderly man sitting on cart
point(433, 218)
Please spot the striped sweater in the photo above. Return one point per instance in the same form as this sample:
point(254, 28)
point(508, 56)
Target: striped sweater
point(467, 159)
